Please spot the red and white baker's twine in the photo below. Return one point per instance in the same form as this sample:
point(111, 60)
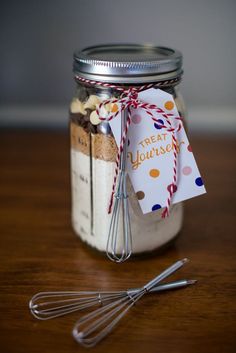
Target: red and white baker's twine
point(129, 100)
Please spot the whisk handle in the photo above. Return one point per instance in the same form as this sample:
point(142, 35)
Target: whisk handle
point(173, 285)
point(165, 274)
point(165, 286)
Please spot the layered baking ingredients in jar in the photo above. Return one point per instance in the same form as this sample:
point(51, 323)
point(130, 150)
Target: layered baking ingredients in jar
point(93, 157)
point(99, 73)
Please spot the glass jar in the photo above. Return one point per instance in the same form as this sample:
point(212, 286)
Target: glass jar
point(93, 147)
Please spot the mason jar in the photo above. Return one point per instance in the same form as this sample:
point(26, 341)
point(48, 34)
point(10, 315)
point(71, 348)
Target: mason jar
point(97, 71)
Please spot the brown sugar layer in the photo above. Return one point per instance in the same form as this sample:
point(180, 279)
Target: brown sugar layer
point(104, 147)
point(101, 146)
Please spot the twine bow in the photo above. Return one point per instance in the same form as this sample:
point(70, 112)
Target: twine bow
point(129, 101)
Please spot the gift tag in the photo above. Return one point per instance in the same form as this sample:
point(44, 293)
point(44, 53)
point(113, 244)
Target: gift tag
point(150, 155)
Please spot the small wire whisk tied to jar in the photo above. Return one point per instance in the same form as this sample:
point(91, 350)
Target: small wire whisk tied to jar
point(120, 212)
point(94, 326)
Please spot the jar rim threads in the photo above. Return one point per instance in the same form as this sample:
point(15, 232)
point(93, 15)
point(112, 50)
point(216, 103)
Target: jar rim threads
point(128, 63)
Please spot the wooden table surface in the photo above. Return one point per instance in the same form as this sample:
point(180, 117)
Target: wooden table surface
point(40, 252)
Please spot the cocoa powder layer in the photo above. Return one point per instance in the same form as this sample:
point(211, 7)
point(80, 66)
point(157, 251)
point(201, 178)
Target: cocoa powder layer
point(100, 146)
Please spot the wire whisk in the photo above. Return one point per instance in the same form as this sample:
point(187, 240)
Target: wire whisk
point(93, 327)
point(119, 242)
point(49, 305)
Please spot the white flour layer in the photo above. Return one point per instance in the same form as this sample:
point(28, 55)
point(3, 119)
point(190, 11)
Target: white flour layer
point(89, 214)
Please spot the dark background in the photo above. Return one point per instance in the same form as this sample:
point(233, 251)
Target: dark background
point(38, 39)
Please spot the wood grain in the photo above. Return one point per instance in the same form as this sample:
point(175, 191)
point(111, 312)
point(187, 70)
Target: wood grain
point(39, 251)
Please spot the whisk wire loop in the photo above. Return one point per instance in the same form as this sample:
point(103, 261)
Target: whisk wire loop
point(104, 323)
point(119, 242)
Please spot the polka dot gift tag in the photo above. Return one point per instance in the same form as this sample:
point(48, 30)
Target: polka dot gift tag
point(150, 154)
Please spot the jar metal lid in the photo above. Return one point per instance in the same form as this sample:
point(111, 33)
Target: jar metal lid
point(127, 63)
